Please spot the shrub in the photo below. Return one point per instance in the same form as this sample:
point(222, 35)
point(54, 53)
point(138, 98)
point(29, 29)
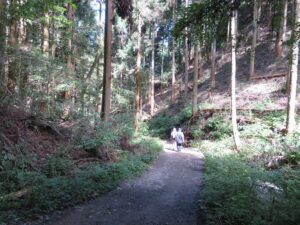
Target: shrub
point(56, 167)
point(196, 131)
point(57, 185)
point(235, 193)
point(218, 126)
point(160, 125)
point(237, 187)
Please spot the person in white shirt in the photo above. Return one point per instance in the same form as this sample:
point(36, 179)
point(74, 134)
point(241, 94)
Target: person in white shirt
point(179, 140)
point(173, 138)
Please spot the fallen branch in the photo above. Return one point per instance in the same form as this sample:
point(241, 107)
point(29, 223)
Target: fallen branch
point(269, 76)
point(239, 109)
point(45, 125)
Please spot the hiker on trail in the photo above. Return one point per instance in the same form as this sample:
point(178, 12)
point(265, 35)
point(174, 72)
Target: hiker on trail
point(173, 138)
point(179, 140)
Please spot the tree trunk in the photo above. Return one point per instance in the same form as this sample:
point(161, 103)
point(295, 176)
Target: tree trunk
point(254, 38)
point(106, 95)
point(152, 93)
point(236, 137)
point(291, 123)
point(12, 41)
point(69, 50)
point(284, 26)
point(228, 34)
point(137, 77)
point(2, 44)
point(23, 62)
point(186, 61)
point(288, 75)
point(173, 94)
point(162, 71)
point(97, 97)
point(46, 35)
point(282, 29)
point(213, 63)
point(22, 31)
point(195, 80)
point(86, 80)
point(98, 85)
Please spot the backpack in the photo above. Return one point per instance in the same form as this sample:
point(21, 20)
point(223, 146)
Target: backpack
point(179, 138)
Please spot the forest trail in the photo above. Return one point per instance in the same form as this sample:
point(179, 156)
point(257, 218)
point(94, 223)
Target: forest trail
point(165, 194)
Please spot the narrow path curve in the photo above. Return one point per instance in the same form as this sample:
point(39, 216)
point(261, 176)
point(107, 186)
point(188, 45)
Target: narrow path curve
point(165, 194)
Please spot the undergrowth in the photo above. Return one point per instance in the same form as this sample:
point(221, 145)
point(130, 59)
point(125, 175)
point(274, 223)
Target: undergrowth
point(161, 124)
point(31, 186)
point(257, 185)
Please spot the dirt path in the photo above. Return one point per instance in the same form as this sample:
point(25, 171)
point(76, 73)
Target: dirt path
point(166, 194)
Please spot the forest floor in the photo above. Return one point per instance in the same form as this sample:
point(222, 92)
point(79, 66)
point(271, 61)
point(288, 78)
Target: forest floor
point(165, 194)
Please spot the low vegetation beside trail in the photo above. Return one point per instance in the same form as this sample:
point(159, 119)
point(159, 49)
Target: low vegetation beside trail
point(87, 164)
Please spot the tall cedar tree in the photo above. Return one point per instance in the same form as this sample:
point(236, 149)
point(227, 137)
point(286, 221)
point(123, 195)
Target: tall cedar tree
point(294, 73)
point(106, 95)
point(236, 137)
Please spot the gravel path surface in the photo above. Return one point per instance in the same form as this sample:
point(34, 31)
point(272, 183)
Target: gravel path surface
point(165, 194)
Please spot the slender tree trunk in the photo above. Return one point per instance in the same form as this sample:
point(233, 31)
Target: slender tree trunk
point(195, 80)
point(20, 70)
point(46, 35)
point(162, 71)
point(69, 51)
point(152, 93)
point(22, 31)
point(290, 55)
point(97, 97)
point(213, 63)
point(236, 137)
point(98, 85)
point(228, 33)
point(186, 61)
point(173, 94)
point(106, 95)
point(23, 62)
point(67, 94)
point(86, 80)
point(270, 16)
point(282, 29)
point(137, 76)
point(254, 39)
point(291, 123)
point(12, 41)
point(53, 52)
point(2, 44)
point(288, 76)
point(236, 18)
point(284, 26)
point(45, 51)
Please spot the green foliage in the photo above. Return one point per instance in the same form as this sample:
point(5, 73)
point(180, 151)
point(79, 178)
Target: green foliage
point(104, 134)
point(264, 104)
point(218, 126)
point(276, 119)
point(205, 20)
point(257, 185)
point(196, 131)
point(58, 185)
point(56, 166)
point(161, 124)
point(235, 193)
